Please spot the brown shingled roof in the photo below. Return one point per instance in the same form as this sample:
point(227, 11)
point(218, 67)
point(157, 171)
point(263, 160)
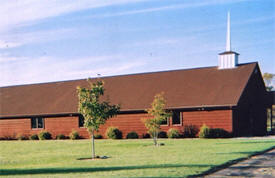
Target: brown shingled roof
point(201, 87)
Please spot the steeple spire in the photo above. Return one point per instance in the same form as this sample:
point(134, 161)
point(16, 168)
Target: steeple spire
point(228, 35)
point(228, 59)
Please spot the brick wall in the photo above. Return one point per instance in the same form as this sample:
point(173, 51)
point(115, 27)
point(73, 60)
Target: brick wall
point(125, 122)
point(133, 122)
point(58, 125)
point(10, 127)
point(64, 125)
point(214, 119)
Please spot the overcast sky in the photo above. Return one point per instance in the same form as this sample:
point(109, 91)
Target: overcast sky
point(44, 41)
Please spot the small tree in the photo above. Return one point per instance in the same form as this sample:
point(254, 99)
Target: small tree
point(268, 79)
point(159, 115)
point(94, 111)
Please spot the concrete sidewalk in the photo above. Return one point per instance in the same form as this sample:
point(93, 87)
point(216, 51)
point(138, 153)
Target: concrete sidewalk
point(256, 166)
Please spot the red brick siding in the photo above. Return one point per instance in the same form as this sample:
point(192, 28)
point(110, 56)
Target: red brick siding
point(132, 122)
point(125, 122)
point(58, 125)
point(64, 125)
point(11, 127)
point(214, 119)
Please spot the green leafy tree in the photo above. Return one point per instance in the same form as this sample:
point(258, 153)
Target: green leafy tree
point(268, 79)
point(94, 111)
point(159, 114)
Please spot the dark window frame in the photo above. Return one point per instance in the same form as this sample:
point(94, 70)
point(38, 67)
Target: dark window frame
point(180, 118)
point(37, 123)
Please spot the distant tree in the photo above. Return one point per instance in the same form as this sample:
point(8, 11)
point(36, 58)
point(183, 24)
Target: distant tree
point(159, 115)
point(95, 112)
point(268, 79)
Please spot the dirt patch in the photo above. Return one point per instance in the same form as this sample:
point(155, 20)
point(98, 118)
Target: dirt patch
point(96, 158)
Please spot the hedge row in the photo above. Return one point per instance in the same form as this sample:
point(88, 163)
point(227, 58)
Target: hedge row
point(114, 133)
point(43, 135)
point(189, 131)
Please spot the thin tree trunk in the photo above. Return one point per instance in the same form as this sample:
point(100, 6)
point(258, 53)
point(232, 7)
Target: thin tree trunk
point(155, 138)
point(93, 145)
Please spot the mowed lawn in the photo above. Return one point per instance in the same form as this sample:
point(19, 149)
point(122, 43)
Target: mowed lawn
point(128, 158)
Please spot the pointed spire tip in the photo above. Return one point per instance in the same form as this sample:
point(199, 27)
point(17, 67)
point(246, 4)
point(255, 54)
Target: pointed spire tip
point(228, 34)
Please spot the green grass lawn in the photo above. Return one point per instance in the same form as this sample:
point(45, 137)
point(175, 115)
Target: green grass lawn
point(128, 158)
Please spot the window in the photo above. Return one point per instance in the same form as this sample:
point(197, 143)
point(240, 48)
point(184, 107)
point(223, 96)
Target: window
point(37, 123)
point(165, 122)
point(176, 118)
point(80, 121)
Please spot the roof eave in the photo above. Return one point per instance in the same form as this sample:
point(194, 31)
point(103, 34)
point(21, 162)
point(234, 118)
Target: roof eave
point(123, 110)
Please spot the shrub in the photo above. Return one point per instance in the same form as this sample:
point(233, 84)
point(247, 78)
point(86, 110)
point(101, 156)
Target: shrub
point(60, 137)
point(44, 135)
point(219, 133)
point(113, 133)
point(21, 137)
point(173, 133)
point(8, 137)
point(162, 134)
point(34, 137)
point(146, 135)
point(204, 131)
point(190, 131)
point(98, 136)
point(132, 135)
point(74, 135)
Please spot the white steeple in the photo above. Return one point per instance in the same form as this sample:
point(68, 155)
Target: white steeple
point(228, 39)
point(228, 59)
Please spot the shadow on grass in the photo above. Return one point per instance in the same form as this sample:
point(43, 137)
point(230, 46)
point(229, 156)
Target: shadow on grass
point(90, 169)
point(252, 142)
point(231, 162)
point(245, 153)
point(252, 153)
